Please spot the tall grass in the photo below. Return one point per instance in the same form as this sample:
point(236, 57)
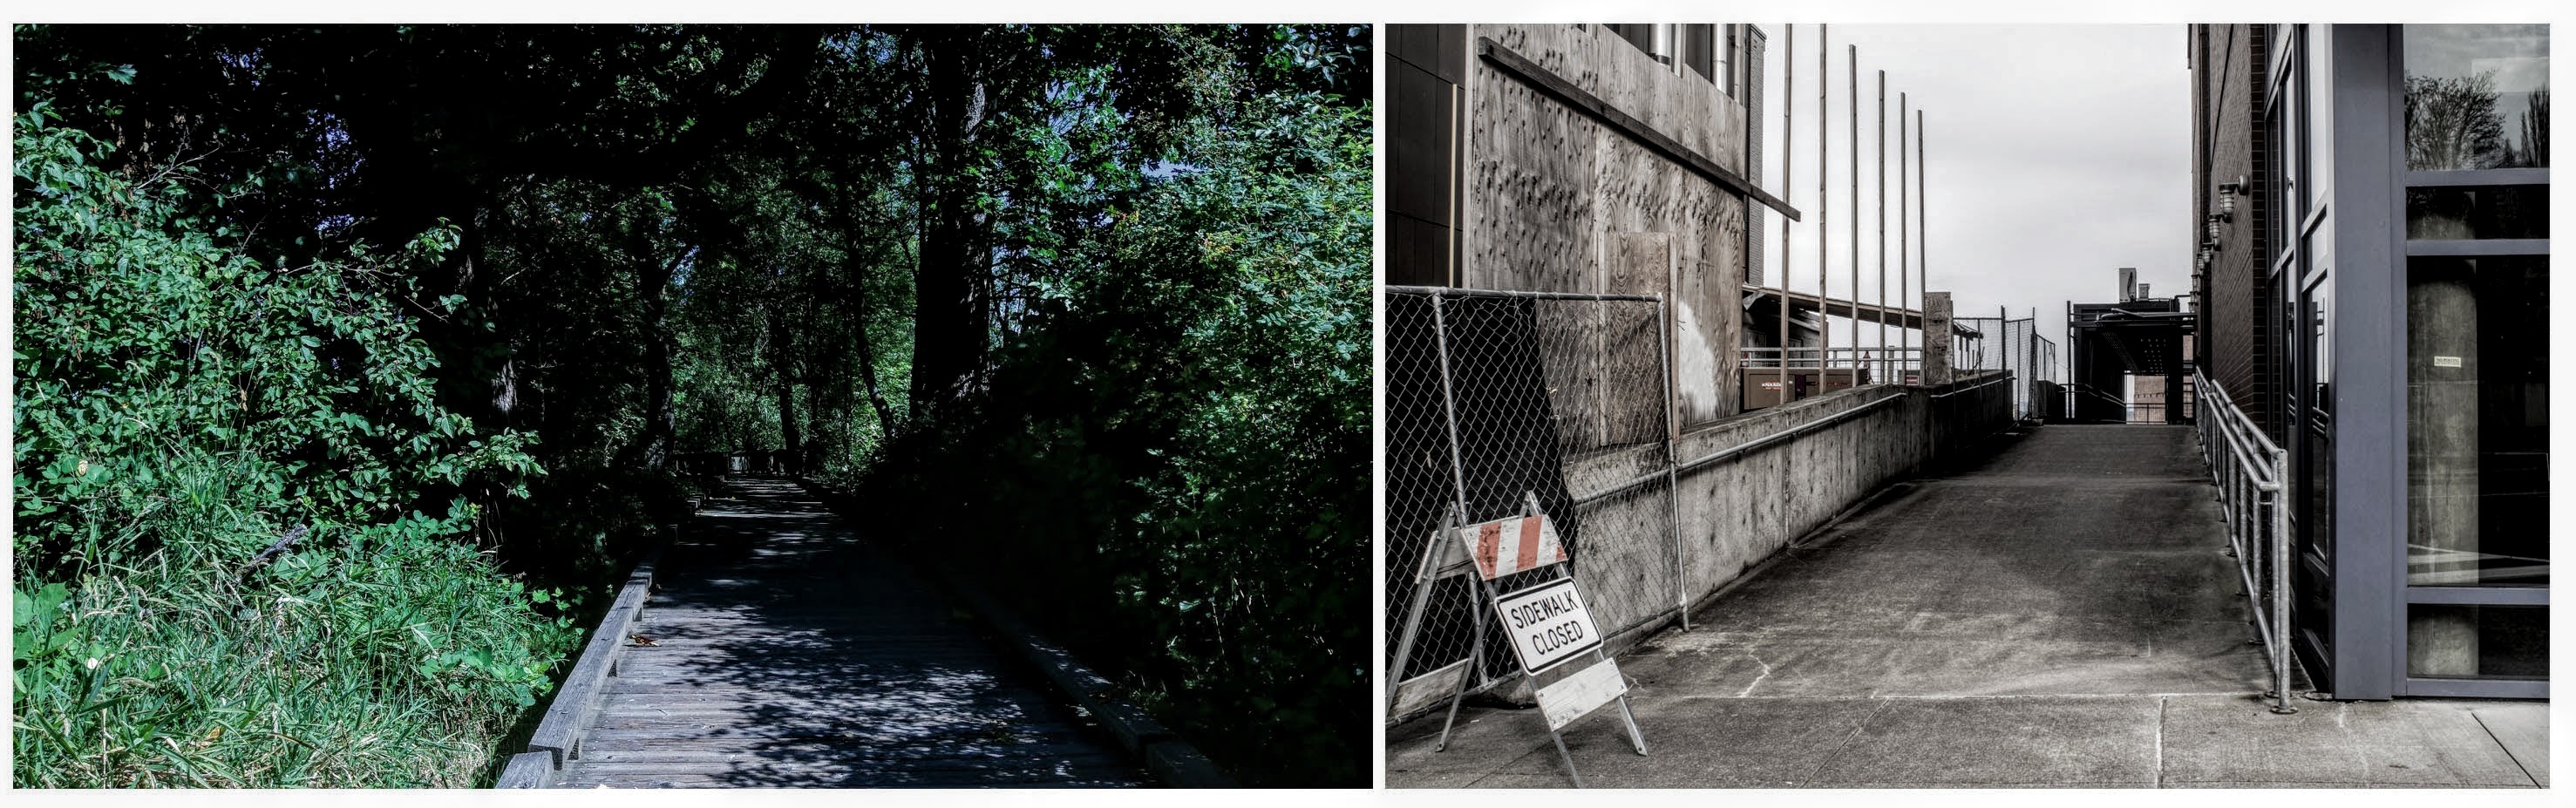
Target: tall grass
point(383, 656)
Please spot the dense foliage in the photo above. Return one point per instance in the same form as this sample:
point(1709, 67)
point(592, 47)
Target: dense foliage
point(181, 408)
point(454, 307)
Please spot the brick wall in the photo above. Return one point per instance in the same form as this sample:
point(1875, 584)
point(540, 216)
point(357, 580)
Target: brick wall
point(2236, 298)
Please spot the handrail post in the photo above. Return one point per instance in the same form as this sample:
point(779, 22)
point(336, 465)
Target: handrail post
point(2281, 651)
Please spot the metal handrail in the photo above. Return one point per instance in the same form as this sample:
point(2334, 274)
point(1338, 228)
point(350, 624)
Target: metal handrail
point(1841, 358)
point(2249, 471)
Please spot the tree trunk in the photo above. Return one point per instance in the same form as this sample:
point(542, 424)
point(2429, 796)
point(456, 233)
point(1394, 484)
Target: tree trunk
point(951, 278)
point(823, 384)
point(782, 359)
point(652, 449)
point(868, 353)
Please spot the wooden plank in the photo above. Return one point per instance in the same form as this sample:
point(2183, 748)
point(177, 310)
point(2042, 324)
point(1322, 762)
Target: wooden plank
point(1428, 689)
point(692, 754)
point(608, 738)
point(528, 770)
point(851, 765)
point(950, 780)
point(1522, 68)
point(559, 733)
point(812, 668)
point(1580, 693)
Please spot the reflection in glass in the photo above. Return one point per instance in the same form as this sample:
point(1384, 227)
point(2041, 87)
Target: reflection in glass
point(2477, 211)
point(2477, 433)
point(2319, 430)
point(2477, 642)
point(2477, 97)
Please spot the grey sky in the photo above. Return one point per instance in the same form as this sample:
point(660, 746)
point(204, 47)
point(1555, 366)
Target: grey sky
point(2058, 154)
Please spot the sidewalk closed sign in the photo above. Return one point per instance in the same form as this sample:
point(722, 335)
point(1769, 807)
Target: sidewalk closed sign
point(1547, 624)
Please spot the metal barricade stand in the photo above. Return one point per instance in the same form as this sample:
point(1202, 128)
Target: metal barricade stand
point(1546, 624)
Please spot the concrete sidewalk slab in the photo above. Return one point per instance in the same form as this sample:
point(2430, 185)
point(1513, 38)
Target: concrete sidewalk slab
point(2074, 742)
point(2408, 742)
point(2060, 615)
point(2523, 730)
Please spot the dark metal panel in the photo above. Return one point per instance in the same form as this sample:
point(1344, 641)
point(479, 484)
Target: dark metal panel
point(1417, 144)
point(1699, 52)
point(2490, 176)
point(2479, 595)
point(1440, 50)
point(2478, 247)
point(2370, 372)
point(1417, 252)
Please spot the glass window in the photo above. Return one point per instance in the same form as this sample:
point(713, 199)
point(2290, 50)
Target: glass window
point(2319, 430)
point(2477, 211)
point(2277, 182)
point(2477, 97)
point(2316, 118)
point(2477, 435)
point(2482, 642)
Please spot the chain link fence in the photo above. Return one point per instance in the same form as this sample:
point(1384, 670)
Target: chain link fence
point(1494, 399)
point(2012, 344)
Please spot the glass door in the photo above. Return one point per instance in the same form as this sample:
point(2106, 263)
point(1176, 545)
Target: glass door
point(2476, 359)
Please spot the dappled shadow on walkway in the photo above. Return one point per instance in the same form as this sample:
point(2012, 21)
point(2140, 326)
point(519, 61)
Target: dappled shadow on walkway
point(788, 651)
point(2058, 611)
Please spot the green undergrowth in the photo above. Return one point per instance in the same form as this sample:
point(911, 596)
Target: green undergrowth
point(181, 411)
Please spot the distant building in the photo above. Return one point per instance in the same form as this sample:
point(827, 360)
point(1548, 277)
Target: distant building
point(2372, 218)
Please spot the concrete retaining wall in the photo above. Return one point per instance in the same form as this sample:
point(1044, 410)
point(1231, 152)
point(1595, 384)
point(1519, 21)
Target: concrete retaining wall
point(1736, 512)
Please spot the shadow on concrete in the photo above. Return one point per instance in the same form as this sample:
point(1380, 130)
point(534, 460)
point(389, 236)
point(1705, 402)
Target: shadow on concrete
point(2056, 609)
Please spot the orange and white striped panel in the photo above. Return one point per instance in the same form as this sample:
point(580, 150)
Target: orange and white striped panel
point(1516, 544)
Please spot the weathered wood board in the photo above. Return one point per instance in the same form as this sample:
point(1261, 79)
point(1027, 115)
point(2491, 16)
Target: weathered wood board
point(786, 651)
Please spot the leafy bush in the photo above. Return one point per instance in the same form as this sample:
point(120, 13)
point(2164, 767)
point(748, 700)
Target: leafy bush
point(180, 407)
point(1170, 470)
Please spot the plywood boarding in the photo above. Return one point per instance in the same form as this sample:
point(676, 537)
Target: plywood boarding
point(1574, 696)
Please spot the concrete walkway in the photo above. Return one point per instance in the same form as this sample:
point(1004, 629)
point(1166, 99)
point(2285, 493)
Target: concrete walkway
point(788, 651)
point(2058, 614)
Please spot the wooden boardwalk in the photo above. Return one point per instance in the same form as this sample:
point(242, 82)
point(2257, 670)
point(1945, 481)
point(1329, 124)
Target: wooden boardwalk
point(787, 651)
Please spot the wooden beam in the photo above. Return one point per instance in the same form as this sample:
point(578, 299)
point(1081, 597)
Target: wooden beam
point(1522, 68)
point(558, 734)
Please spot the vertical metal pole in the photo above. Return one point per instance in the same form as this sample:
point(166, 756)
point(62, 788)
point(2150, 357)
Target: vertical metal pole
point(1635, 736)
point(1824, 302)
point(1458, 477)
point(1475, 660)
point(2281, 653)
point(1449, 404)
point(1922, 217)
point(1904, 264)
point(1672, 472)
point(1788, 157)
point(1852, 74)
point(1423, 581)
point(1568, 756)
point(1883, 367)
point(2030, 386)
point(1412, 623)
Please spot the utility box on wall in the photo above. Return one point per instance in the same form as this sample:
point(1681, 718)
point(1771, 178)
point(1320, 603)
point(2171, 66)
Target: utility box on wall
point(1763, 387)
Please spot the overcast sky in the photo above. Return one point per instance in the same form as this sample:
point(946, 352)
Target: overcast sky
point(2058, 154)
